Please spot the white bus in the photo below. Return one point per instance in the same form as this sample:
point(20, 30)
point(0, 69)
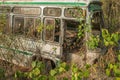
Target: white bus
point(46, 29)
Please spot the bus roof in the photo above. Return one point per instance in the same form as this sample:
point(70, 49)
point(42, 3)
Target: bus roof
point(50, 2)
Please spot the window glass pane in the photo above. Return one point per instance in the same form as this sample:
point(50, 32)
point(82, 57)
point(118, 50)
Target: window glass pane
point(73, 12)
point(18, 25)
point(27, 10)
point(49, 29)
point(49, 11)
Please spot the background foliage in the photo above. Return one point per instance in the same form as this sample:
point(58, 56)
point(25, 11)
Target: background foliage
point(111, 10)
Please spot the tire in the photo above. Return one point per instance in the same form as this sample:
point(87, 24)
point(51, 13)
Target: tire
point(48, 66)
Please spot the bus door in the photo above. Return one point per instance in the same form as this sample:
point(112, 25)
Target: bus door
point(96, 26)
point(52, 36)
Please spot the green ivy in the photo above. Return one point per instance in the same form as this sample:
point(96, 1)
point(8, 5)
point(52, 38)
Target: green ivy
point(2, 21)
point(93, 42)
point(113, 70)
point(110, 39)
point(80, 73)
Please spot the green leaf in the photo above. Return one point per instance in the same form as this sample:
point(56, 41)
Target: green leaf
point(106, 43)
point(86, 73)
point(42, 77)
point(34, 64)
point(52, 78)
point(75, 69)
point(30, 75)
point(36, 71)
point(87, 66)
point(63, 65)
point(17, 74)
point(114, 68)
point(119, 57)
point(107, 72)
point(61, 70)
point(117, 73)
point(65, 78)
point(111, 66)
point(53, 72)
point(117, 78)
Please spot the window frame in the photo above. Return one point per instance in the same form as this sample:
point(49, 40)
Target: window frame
point(27, 7)
point(28, 17)
point(44, 33)
point(100, 16)
point(60, 13)
point(66, 10)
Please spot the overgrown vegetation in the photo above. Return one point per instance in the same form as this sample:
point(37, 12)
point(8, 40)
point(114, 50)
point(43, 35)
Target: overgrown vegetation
point(107, 64)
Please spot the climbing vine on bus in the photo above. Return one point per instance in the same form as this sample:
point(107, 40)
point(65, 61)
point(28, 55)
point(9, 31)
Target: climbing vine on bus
point(93, 42)
point(40, 28)
point(2, 22)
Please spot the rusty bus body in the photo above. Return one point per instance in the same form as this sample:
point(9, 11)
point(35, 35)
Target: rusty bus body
point(45, 29)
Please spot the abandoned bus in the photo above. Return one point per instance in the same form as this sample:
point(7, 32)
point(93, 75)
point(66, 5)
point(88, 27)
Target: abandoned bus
point(43, 29)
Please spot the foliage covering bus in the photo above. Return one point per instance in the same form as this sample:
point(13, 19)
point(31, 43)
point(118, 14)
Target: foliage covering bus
point(47, 30)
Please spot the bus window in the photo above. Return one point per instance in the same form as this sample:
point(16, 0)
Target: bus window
point(27, 27)
point(71, 28)
point(70, 37)
point(49, 29)
point(4, 23)
point(52, 30)
point(38, 28)
point(51, 11)
point(18, 25)
point(57, 30)
point(31, 26)
point(73, 12)
point(27, 10)
point(96, 23)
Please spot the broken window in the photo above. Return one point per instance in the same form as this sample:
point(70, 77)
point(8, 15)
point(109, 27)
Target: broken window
point(27, 27)
point(52, 29)
point(70, 38)
point(71, 28)
point(73, 12)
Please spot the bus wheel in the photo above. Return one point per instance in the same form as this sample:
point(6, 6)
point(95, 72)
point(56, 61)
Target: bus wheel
point(48, 66)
